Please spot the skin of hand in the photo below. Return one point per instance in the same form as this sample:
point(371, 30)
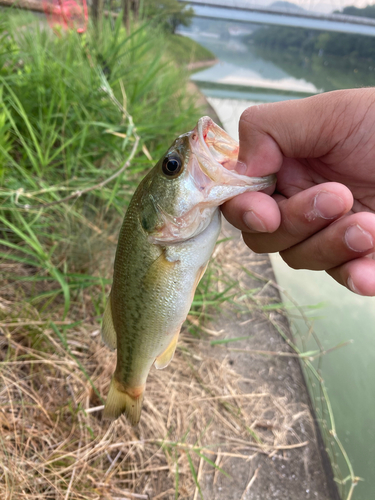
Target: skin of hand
point(321, 215)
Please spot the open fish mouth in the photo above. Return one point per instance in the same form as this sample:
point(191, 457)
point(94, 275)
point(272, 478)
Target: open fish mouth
point(216, 143)
point(210, 181)
point(216, 153)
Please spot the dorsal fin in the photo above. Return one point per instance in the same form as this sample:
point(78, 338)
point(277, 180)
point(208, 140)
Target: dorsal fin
point(108, 329)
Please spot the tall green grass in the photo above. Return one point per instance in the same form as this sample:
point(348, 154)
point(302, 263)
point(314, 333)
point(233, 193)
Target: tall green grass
point(75, 111)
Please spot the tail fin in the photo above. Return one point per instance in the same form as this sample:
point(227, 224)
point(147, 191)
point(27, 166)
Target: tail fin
point(119, 401)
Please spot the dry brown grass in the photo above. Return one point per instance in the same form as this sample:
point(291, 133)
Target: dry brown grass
point(54, 444)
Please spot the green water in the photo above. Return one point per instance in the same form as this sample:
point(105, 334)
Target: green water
point(349, 372)
point(247, 75)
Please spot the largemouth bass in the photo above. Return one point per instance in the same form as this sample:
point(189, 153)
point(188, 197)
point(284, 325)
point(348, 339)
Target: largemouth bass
point(167, 237)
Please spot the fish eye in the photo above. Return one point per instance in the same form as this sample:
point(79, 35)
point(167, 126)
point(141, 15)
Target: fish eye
point(172, 165)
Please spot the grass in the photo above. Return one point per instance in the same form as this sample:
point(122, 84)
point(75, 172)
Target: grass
point(76, 112)
point(199, 414)
point(53, 441)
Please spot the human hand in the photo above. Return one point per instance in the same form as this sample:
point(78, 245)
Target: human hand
point(322, 213)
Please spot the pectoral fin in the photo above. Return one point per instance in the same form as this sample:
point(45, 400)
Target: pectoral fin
point(165, 358)
point(108, 329)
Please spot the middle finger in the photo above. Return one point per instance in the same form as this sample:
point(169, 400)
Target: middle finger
point(302, 215)
point(351, 237)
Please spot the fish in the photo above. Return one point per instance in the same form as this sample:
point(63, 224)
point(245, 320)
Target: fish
point(166, 240)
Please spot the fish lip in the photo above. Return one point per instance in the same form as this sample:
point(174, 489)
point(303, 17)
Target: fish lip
point(203, 164)
point(203, 125)
point(202, 128)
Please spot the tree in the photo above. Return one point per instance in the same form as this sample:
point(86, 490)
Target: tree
point(127, 7)
point(97, 10)
point(170, 13)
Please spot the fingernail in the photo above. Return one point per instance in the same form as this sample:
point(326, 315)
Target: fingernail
point(326, 205)
point(350, 284)
point(253, 222)
point(357, 239)
point(241, 168)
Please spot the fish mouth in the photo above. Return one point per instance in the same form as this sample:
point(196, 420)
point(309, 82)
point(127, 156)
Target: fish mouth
point(212, 181)
point(217, 144)
point(213, 164)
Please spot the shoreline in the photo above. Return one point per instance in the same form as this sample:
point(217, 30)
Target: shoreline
point(299, 469)
point(202, 64)
point(317, 473)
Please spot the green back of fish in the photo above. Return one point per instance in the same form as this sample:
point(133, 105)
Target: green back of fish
point(144, 283)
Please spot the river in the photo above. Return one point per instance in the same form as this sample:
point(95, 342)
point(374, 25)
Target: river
point(247, 75)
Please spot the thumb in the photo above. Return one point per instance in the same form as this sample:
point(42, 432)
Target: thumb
point(302, 128)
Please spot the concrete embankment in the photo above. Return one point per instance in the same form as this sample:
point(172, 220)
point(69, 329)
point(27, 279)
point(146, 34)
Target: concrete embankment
point(289, 460)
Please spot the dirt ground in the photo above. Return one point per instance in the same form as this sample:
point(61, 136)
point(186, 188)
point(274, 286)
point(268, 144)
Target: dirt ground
point(300, 472)
point(225, 421)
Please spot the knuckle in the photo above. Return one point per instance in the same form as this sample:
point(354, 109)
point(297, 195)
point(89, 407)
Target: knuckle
point(290, 227)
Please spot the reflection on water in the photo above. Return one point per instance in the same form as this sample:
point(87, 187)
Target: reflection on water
point(230, 74)
point(325, 72)
point(308, 74)
point(248, 71)
point(349, 372)
point(241, 55)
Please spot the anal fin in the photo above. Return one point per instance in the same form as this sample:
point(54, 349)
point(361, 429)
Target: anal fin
point(108, 329)
point(165, 358)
